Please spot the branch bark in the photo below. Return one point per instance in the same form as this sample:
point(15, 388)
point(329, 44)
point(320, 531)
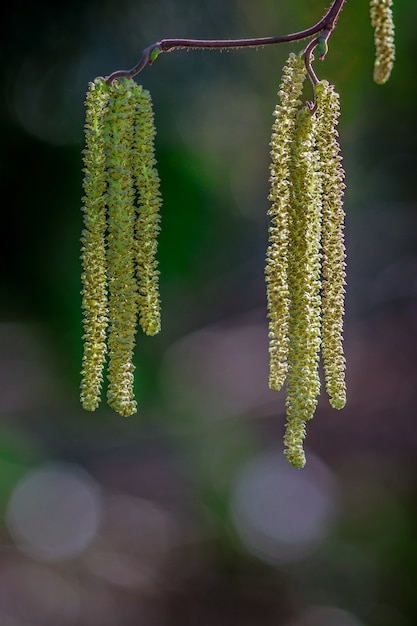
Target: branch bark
point(324, 28)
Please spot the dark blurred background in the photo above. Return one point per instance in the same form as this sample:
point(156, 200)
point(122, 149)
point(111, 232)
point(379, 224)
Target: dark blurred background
point(187, 513)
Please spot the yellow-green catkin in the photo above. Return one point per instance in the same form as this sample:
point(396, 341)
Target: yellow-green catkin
point(93, 252)
point(383, 24)
point(119, 242)
point(148, 217)
point(276, 271)
point(121, 247)
point(333, 247)
point(304, 280)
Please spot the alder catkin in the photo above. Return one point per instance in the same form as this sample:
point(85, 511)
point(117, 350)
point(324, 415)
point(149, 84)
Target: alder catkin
point(120, 248)
point(276, 271)
point(305, 268)
point(93, 251)
point(304, 264)
point(333, 247)
point(119, 242)
point(383, 24)
point(148, 217)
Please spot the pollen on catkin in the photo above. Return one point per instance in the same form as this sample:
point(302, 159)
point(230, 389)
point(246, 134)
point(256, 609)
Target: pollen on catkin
point(306, 255)
point(120, 248)
point(93, 251)
point(148, 219)
point(383, 24)
point(276, 271)
point(121, 220)
point(304, 265)
point(333, 247)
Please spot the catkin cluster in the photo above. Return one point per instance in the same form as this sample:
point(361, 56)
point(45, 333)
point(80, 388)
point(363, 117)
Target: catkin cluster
point(383, 24)
point(119, 242)
point(305, 268)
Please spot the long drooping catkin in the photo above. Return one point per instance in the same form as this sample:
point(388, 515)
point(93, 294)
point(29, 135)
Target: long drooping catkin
point(276, 271)
point(119, 241)
point(383, 24)
point(333, 287)
point(303, 382)
point(120, 248)
point(306, 255)
point(93, 252)
point(148, 206)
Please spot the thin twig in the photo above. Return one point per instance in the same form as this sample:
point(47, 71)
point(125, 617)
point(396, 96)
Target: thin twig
point(149, 54)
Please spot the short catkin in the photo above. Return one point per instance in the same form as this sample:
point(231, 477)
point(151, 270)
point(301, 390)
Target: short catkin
point(383, 24)
point(119, 242)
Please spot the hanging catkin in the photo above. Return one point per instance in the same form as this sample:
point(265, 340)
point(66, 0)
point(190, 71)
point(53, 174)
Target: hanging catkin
point(93, 251)
point(148, 205)
point(383, 24)
point(119, 241)
point(333, 287)
point(276, 271)
point(120, 248)
point(303, 382)
point(306, 255)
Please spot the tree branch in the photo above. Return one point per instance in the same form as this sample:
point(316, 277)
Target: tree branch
point(325, 27)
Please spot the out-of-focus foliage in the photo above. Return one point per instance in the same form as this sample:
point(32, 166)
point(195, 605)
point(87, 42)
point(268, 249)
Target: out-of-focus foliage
point(187, 513)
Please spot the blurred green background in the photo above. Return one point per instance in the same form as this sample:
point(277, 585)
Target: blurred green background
point(187, 513)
